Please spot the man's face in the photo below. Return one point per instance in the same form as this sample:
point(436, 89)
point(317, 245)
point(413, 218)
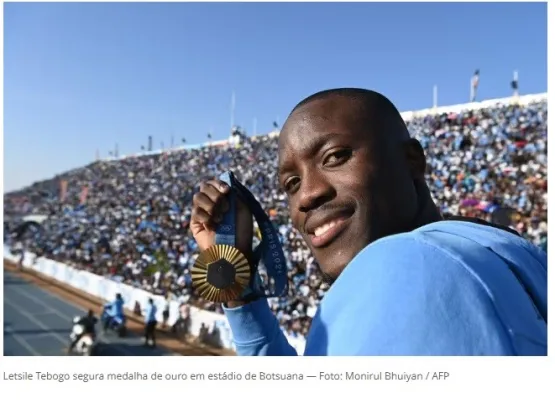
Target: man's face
point(338, 181)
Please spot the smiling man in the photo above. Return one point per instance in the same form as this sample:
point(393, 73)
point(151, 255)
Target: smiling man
point(404, 280)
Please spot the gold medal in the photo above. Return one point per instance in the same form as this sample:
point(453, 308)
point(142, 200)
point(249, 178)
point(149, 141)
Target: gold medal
point(221, 273)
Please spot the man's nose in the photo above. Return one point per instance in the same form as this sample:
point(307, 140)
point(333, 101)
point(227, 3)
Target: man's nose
point(315, 190)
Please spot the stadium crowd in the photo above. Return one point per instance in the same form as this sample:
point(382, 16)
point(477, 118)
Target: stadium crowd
point(129, 218)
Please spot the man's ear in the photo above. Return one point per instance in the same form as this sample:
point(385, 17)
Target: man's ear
point(416, 159)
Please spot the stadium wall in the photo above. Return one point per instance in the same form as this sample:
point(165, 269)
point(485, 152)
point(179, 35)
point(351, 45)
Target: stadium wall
point(106, 289)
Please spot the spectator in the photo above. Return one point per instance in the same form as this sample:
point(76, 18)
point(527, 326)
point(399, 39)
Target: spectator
point(150, 324)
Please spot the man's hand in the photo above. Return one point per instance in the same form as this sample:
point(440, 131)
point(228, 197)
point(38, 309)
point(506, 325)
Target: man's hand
point(209, 206)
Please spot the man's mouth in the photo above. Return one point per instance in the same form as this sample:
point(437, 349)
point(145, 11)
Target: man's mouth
point(324, 234)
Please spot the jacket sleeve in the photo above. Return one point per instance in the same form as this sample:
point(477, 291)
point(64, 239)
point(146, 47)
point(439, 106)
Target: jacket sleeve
point(256, 330)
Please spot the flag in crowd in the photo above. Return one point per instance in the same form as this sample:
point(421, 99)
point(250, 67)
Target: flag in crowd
point(474, 85)
point(84, 194)
point(514, 83)
point(63, 190)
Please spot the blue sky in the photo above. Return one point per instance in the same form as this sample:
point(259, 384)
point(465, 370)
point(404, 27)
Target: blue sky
point(82, 77)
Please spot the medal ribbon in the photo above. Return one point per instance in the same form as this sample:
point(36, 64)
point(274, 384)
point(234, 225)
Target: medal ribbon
point(269, 252)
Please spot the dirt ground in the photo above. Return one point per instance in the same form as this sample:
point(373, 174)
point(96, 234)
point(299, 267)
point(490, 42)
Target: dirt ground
point(87, 301)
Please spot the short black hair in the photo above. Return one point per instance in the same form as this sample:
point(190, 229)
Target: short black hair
point(371, 100)
point(354, 93)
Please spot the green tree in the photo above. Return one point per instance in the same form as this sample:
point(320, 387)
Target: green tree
point(160, 263)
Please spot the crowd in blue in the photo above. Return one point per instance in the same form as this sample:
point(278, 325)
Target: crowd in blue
point(133, 225)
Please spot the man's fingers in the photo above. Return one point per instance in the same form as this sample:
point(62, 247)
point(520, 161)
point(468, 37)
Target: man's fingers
point(213, 190)
point(204, 202)
point(209, 205)
point(222, 189)
point(219, 185)
point(199, 219)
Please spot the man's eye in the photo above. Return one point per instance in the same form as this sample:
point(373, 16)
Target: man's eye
point(290, 184)
point(338, 157)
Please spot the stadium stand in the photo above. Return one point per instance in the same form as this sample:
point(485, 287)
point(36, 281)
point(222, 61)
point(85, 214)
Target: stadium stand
point(127, 218)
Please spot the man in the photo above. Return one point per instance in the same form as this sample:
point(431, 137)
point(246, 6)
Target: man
point(150, 324)
point(404, 280)
point(89, 327)
point(114, 310)
point(181, 326)
point(166, 311)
